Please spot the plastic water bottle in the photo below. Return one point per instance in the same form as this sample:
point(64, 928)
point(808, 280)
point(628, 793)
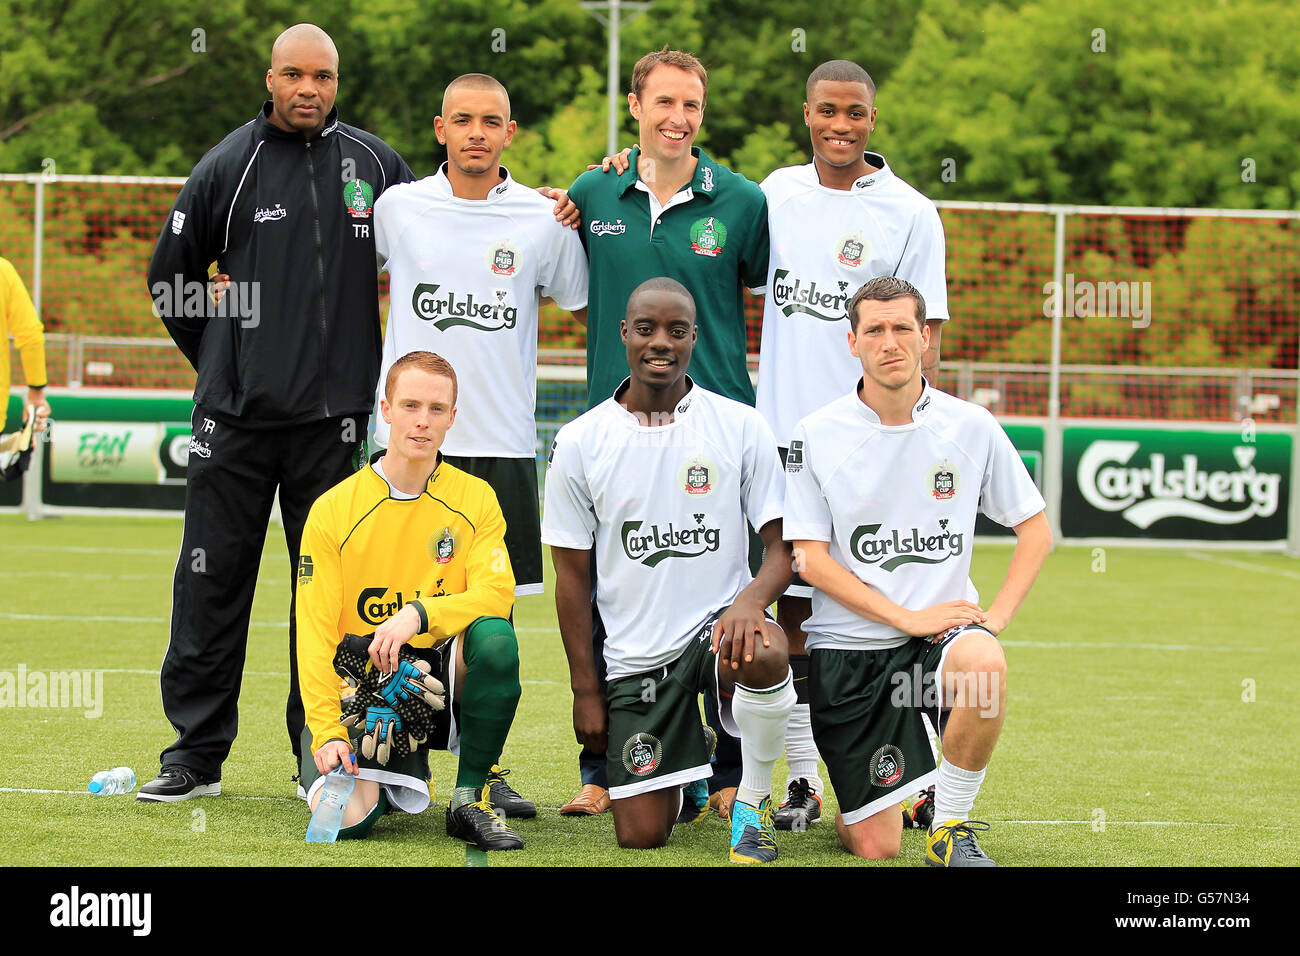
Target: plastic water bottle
point(108, 782)
point(327, 818)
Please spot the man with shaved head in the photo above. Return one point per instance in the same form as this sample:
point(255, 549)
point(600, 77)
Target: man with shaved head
point(469, 252)
point(658, 482)
point(287, 355)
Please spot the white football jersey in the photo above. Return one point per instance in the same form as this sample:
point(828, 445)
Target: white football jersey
point(667, 508)
point(464, 282)
point(825, 244)
point(898, 503)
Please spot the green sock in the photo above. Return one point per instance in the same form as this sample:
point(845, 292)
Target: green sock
point(488, 699)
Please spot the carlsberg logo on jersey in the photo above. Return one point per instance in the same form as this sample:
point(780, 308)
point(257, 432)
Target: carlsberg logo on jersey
point(896, 548)
point(829, 303)
point(1145, 490)
point(452, 308)
point(657, 543)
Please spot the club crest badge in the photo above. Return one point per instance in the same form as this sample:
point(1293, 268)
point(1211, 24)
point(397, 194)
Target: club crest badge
point(503, 259)
point(359, 197)
point(708, 237)
point(943, 481)
point(851, 249)
point(886, 767)
point(641, 754)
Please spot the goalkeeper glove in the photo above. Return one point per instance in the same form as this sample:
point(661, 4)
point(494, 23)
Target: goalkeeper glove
point(384, 735)
point(412, 682)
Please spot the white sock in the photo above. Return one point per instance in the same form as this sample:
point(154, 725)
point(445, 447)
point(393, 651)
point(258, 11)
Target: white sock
point(800, 750)
point(760, 716)
point(955, 793)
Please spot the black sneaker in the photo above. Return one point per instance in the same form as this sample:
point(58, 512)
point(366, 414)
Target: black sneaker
point(802, 807)
point(177, 783)
point(505, 799)
point(919, 814)
point(477, 825)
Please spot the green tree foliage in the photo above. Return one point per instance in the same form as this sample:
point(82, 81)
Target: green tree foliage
point(1172, 104)
point(140, 87)
point(1162, 104)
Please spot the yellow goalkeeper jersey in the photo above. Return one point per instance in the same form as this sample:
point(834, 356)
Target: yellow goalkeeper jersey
point(18, 318)
point(366, 554)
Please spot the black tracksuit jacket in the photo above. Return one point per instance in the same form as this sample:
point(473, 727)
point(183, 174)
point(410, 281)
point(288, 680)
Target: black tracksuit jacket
point(290, 221)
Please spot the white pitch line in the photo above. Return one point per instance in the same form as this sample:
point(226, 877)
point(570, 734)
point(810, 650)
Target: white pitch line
point(1109, 823)
point(110, 619)
point(73, 574)
point(154, 673)
point(1144, 823)
point(1262, 569)
point(87, 793)
point(76, 549)
point(1087, 645)
point(1124, 646)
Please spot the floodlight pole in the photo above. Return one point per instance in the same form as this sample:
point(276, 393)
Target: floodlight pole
point(634, 7)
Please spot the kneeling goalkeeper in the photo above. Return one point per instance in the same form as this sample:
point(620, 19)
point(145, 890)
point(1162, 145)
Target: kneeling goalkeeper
point(411, 549)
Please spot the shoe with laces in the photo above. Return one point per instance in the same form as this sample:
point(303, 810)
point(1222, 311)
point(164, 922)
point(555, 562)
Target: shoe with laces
point(953, 844)
point(919, 813)
point(753, 834)
point(477, 825)
point(176, 783)
point(802, 807)
point(695, 802)
point(504, 797)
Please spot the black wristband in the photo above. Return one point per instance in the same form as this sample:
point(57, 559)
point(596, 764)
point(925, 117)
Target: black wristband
point(424, 616)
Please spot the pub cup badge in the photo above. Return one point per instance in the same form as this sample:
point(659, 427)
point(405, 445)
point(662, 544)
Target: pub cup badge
point(445, 549)
point(943, 481)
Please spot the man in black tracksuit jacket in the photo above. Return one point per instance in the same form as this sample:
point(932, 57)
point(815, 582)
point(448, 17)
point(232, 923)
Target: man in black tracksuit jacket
point(287, 364)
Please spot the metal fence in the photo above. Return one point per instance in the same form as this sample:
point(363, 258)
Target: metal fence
point(1059, 312)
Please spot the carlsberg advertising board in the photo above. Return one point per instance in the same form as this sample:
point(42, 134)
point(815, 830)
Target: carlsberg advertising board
point(1166, 483)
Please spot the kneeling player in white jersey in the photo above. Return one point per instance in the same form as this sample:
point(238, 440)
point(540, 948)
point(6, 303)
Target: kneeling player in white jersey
point(663, 476)
point(411, 549)
point(882, 490)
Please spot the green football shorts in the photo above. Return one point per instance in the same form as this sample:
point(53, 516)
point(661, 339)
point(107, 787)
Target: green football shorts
point(869, 710)
point(656, 737)
point(515, 482)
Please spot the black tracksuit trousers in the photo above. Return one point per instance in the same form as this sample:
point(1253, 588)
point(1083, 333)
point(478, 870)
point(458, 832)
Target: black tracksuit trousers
point(231, 482)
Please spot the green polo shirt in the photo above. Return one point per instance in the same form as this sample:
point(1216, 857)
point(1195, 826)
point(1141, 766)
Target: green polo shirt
point(711, 244)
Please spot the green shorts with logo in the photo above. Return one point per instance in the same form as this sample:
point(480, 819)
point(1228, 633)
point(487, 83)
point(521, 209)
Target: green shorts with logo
point(405, 780)
point(656, 736)
point(869, 713)
point(515, 482)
